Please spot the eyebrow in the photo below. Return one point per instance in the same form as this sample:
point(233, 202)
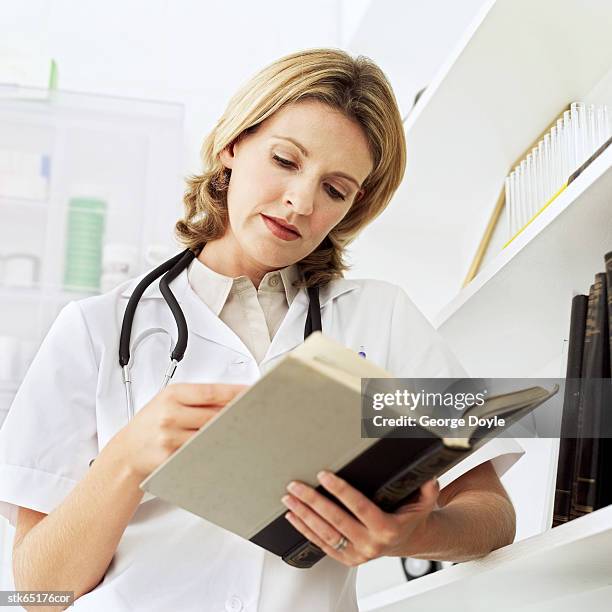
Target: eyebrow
point(305, 153)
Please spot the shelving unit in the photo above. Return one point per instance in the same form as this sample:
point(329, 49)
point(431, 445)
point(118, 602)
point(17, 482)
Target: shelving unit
point(551, 571)
point(515, 68)
point(126, 152)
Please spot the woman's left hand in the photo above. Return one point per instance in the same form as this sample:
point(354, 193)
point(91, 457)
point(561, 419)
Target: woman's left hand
point(370, 533)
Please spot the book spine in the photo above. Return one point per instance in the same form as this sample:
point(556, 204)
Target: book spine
point(604, 475)
point(391, 495)
point(608, 260)
point(569, 422)
point(585, 497)
point(400, 488)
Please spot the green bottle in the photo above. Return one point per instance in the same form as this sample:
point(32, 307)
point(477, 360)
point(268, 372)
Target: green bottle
point(85, 237)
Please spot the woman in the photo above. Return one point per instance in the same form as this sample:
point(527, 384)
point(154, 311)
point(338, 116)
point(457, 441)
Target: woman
point(305, 156)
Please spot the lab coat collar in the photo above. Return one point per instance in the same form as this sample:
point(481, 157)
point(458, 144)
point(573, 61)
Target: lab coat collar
point(180, 285)
point(214, 288)
point(203, 322)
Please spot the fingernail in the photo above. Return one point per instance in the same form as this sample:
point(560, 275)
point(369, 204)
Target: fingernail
point(294, 487)
point(286, 499)
point(324, 476)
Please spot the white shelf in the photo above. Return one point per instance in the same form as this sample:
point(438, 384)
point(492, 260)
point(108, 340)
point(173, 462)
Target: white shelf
point(517, 308)
point(560, 569)
point(24, 202)
point(514, 70)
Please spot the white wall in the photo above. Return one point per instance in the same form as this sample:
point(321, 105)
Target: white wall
point(190, 51)
point(409, 39)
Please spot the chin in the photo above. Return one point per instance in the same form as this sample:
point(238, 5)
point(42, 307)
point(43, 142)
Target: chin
point(269, 255)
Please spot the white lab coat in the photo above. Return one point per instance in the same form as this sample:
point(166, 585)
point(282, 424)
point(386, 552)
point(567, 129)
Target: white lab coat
point(72, 402)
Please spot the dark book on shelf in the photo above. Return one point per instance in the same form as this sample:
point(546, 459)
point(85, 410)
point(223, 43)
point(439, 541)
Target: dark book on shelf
point(608, 261)
point(596, 365)
point(604, 490)
point(571, 404)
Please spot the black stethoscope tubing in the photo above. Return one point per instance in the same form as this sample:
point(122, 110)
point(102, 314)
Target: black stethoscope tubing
point(170, 270)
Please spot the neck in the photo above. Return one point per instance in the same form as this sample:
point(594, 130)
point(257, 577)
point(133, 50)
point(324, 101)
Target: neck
point(228, 259)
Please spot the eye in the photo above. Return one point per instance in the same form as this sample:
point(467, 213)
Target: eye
point(285, 163)
point(334, 193)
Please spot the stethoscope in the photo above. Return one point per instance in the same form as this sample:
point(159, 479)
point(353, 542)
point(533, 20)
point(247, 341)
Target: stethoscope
point(171, 269)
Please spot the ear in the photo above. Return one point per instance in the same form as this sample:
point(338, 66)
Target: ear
point(226, 156)
point(359, 195)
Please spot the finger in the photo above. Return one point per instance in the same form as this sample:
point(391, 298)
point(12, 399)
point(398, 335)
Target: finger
point(368, 513)
point(324, 531)
point(428, 496)
point(346, 556)
point(182, 436)
point(213, 394)
point(318, 511)
point(191, 417)
point(432, 486)
point(429, 492)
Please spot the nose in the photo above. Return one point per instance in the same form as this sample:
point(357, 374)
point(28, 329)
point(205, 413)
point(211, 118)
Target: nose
point(300, 195)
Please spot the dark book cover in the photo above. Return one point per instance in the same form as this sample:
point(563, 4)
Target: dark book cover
point(608, 260)
point(604, 489)
point(574, 512)
point(571, 403)
point(595, 366)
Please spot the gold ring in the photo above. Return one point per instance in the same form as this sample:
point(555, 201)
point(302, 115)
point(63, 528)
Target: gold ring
point(342, 544)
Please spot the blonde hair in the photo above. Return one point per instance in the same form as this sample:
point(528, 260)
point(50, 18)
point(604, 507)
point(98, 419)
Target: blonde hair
point(355, 86)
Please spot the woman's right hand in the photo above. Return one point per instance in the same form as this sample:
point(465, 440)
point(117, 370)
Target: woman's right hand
point(173, 416)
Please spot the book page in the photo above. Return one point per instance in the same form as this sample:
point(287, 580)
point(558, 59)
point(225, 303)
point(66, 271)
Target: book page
point(294, 422)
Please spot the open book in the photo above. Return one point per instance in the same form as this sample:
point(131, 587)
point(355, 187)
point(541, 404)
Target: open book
point(302, 416)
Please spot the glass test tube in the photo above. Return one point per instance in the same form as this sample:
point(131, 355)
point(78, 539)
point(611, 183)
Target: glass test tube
point(524, 203)
point(554, 159)
point(591, 130)
point(537, 158)
point(606, 123)
point(601, 125)
point(542, 179)
point(512, 209)
point(548, 189)
point(535, 166)
point(561, 152)
point(569, 144)
point(584, 132)
point(518, 198)
point(532, 185)
point(534, 182)
point(576, 135)
point(508, 205)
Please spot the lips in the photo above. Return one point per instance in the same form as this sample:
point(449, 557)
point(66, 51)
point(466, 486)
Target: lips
point(283, 223)
point(278, 230)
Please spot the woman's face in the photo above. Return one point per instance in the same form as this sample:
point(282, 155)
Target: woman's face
point(305, 166)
